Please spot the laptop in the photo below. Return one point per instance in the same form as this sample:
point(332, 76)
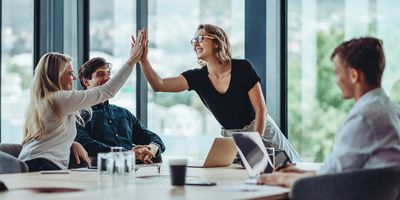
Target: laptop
point(222, 153)
point(253, 154)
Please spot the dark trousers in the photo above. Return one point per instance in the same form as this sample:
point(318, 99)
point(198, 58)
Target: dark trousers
point(40, 164)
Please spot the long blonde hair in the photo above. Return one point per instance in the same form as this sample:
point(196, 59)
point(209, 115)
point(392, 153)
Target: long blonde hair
point(224, 54)
point(46, 81)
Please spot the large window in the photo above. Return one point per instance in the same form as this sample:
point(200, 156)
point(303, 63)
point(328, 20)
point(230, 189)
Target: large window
point(315, 28)
point(112, 22)
point(16, 66)
point(184, 123)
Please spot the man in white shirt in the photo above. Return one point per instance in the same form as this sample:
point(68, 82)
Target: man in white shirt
point(369, 136)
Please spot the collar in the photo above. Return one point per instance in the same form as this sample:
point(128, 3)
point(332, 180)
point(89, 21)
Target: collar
point(100, 105)
point(367, 97)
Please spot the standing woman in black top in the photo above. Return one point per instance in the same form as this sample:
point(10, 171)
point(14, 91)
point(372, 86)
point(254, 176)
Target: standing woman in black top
point(229, 88)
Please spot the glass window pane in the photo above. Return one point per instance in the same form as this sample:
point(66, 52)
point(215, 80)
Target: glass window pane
point(184, 123)
point(315, 28)
point(111, 25)
point(16, 66)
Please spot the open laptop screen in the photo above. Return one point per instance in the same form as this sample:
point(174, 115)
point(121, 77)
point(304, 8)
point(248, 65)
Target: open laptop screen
point(252, 152)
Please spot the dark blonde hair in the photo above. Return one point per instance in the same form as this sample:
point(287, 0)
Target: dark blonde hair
point(46, 81)
point(224, 54)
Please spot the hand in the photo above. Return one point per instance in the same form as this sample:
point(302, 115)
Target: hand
point(145, 46)
point(80, 153)
point(153, 148)
point(271, 179)
point(143, 154)
point(282, 178)
point(136, 49)
point(289, 168)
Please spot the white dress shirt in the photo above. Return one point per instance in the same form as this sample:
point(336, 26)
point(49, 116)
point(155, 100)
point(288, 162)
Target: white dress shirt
point(369, 137)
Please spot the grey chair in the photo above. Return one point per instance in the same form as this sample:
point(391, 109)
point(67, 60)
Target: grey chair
point(12, 149)
point(11, 164)
point(383, 183)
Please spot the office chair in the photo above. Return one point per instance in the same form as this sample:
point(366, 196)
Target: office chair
point(11, 164)
point(12, 149)
point(382, 183)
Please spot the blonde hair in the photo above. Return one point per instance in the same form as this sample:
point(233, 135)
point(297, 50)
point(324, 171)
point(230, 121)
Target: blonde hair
point(46, 81)
point(224, 54)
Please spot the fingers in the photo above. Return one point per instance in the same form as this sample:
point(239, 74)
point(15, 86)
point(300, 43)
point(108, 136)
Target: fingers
point(76, 155)
point(87, 160)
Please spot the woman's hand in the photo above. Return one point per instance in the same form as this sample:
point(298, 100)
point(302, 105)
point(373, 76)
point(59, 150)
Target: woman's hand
point(136, 49)
point(80, 153)
point(145, 46)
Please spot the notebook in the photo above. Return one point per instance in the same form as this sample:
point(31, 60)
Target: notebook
point(221, 154)
point(252, 153)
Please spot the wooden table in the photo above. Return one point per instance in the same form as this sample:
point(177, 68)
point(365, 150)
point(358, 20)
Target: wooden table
point(145, 184)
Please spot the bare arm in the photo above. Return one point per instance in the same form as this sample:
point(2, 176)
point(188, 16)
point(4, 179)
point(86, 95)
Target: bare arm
point(172, 84)
point(257, 101)
point(283, 179)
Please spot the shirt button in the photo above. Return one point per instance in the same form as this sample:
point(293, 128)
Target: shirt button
point(110, 121)
point(116, 134)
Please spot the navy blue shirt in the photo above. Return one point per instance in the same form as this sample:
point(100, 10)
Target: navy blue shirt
point(233, 109)
point(111, 126)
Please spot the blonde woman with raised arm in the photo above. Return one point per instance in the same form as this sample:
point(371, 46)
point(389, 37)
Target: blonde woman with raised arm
point(54, 108)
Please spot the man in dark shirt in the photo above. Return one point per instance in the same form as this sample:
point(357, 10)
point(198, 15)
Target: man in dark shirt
point(111, 125)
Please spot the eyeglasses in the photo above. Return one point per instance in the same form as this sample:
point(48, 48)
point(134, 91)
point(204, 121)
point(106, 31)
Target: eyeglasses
point(200, 39)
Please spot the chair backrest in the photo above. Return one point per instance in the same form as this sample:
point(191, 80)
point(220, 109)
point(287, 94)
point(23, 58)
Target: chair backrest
point(12, 149)
point(10, 164)
point(383, 183)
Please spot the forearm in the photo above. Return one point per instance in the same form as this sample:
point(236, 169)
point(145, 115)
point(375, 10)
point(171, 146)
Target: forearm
point(155, 81)
point(288, 179)
point(260, 119)
point(91, 145)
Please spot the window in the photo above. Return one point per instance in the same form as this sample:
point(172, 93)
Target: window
point(315, 28)
point(16, 66)
point(111, 25)
point(183, 122)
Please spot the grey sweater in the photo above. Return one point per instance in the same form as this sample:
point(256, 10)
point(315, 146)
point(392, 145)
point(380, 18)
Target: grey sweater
point(55, 146)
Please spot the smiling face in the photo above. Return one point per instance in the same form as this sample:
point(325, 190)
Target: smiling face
point(206, 48)
point(67, 78)
point(345, 77)
point(99, 77)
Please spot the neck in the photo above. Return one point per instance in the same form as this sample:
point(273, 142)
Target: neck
point(217, 69)
point(360, 91)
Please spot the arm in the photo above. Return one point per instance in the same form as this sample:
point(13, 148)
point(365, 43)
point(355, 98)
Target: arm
point(172, 84)
point(71, 101)
point(283, 179)
point(354, 143)
point(143, 136)
point(91, 145)
point(80, 153)
point(257, 101)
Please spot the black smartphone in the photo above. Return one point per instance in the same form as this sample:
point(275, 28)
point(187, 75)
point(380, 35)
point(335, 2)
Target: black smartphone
point(281, 158)
point(199, 182)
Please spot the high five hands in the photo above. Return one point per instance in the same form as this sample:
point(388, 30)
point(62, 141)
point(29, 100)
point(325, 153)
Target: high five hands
point(137, 47)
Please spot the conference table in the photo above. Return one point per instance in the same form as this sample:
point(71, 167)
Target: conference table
point(146, 183)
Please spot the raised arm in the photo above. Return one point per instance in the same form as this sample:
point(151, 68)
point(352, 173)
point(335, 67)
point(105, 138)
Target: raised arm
point(72, 100)
point(172, 84)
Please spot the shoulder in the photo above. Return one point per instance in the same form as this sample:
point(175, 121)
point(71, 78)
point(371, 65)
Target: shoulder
point(195, 71)
point(242, 62)
point(242, 65)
